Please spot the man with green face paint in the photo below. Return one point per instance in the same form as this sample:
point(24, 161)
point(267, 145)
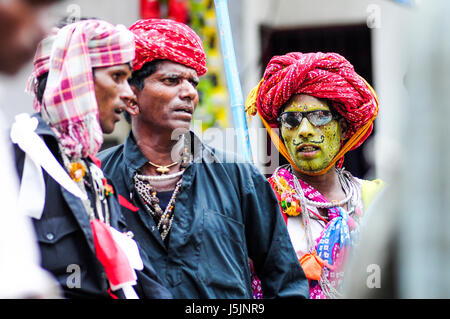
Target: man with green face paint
point(312, 147)
point(322, 109)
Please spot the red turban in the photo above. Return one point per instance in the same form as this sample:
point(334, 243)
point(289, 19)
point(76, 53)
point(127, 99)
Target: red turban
point(168, 40)
point(322, 75)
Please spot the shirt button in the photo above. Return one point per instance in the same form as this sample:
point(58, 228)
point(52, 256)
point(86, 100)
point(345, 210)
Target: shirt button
point(50, 236)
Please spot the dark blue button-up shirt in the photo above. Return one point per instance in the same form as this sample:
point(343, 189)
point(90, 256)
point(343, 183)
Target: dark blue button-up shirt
point(225, 213)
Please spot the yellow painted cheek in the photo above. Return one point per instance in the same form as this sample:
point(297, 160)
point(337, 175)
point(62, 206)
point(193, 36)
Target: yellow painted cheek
point(329, 148)
point(288, 136)
point(331, 143)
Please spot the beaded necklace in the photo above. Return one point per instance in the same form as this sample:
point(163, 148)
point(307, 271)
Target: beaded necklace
point(294, 201)
point(151, 203)
point(148, 193)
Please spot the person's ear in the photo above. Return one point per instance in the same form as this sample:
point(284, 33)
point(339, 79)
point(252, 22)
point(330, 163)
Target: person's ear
point(132, 105)
point(343, 126)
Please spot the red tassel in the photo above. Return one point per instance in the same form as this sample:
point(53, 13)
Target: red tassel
point(123, 202)
point(113, 296)
point(96, 161)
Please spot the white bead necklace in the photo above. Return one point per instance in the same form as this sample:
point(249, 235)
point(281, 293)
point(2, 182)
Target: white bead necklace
point(346, 183)
point(149, 178)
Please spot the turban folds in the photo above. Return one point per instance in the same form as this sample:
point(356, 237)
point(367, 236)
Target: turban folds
point(40, 65)
point(168, 40)
point(322, 75)
point(69, 103)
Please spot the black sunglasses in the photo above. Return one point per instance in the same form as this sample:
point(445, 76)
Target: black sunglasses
point(316, 118)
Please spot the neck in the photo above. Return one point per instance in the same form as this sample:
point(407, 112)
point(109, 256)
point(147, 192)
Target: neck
point(159, 149)
point(327, 184)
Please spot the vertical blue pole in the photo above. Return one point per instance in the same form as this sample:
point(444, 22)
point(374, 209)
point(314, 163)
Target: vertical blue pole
point(232, 76)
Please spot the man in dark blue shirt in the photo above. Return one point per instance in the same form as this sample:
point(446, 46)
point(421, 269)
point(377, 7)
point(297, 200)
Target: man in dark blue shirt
point(198, 213)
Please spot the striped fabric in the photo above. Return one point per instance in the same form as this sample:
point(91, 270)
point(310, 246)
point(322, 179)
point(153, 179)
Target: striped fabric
point(40, 63)
point(69, 102)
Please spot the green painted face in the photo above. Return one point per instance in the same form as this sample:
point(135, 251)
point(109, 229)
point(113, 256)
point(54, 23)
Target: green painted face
point(311, 147)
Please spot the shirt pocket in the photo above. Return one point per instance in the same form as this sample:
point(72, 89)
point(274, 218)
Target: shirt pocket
point(224, 225)
point(223, 255)
point(61, 243)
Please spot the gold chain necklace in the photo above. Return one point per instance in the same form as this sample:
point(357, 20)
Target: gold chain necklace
point(162, 169)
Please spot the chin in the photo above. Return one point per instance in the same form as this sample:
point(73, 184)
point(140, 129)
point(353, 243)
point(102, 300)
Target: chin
point(108, 129)
point(309, 167)
point(182, 126)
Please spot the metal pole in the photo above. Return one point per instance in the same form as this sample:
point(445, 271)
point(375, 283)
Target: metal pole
point(232, 77)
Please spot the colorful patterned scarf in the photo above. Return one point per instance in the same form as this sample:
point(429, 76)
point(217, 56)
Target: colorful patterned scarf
point(40, 65)
point(69, 102)
point(168, 40)
point(333, 244)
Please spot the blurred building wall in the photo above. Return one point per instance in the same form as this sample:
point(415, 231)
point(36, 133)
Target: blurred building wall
point(424, 241)
point(407, 232)
point(384, 17)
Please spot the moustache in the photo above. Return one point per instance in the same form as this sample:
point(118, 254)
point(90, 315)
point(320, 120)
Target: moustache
point(304, 141)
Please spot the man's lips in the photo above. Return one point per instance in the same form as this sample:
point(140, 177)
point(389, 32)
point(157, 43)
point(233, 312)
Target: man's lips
point(185, 111)
point(186, 108)
point(308, 150)
point(119, 110)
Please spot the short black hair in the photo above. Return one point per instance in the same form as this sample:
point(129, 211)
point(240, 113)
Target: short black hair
point(41, 84)
point(138, 77)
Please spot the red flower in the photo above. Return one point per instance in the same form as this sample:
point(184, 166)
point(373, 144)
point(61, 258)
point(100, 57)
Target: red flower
point(108, 188)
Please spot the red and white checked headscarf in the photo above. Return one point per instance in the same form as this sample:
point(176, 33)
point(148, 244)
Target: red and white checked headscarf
point(168, 40)
point(322, 75)
point(40, 63)
point(69, 104)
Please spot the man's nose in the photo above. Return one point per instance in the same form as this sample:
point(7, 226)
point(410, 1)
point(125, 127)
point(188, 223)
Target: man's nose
point(188, 90)
point(126, 93)
point(305, 129)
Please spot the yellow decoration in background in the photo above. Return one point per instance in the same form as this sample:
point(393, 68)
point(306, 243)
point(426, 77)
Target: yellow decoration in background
point(213, 108)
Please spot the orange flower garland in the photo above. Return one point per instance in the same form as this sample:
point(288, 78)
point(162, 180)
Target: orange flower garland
point(77, 171)
point(289, 204)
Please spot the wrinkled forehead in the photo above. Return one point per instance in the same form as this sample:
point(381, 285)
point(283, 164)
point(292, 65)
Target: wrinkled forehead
point(168, 66)
point(125, 67)
point(304, 103)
